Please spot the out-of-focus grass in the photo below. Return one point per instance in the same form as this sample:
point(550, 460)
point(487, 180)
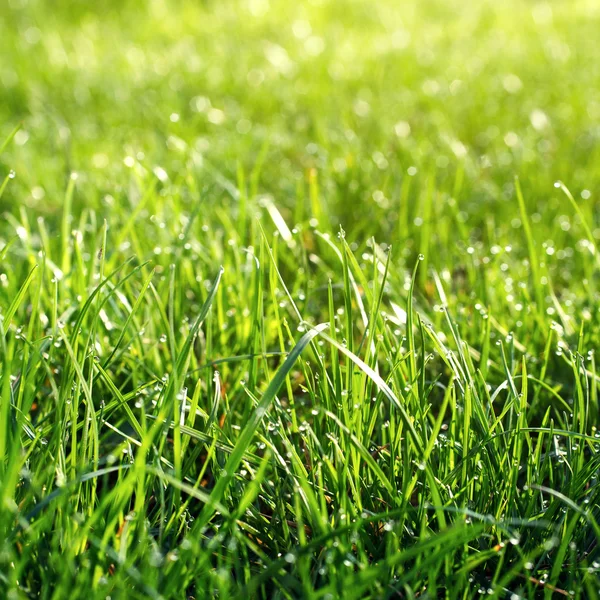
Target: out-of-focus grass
point(358, 91)
point(170, 429)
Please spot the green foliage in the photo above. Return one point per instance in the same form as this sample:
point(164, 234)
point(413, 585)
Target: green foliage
point(299, 300)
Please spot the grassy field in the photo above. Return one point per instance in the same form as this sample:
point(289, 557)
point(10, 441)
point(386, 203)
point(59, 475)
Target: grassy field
point(299, 300)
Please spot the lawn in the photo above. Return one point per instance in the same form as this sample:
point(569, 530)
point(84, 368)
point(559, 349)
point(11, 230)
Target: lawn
point(299, 300)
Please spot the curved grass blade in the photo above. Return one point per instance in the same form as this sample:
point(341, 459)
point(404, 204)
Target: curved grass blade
point(249, 430)
point(8, 140)
point(12, 309)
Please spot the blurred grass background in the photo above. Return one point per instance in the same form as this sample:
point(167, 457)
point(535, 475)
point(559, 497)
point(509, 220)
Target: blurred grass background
point(359, 91)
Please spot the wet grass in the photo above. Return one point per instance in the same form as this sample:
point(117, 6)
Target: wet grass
point(299, 301)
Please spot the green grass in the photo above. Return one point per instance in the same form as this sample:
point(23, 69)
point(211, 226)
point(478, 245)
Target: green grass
point(299, 300)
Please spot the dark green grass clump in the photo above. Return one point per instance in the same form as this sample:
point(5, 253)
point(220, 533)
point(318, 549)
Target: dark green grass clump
point(277, 319)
